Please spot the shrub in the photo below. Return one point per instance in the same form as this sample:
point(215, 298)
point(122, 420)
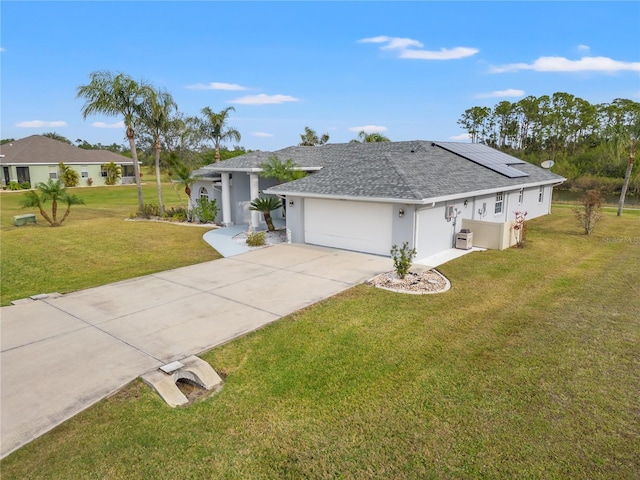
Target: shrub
point(255, 239)
point(603, 184)
point(402, 258)
point(590, 212)
point(149, 210)
point(68, 175)
point(14, 186)
point(520, 228)
point(177, 213)
point(25, 185)
point(205, 211)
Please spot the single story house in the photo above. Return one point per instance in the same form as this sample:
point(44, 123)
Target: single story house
point(368, 197)
point(37, 158)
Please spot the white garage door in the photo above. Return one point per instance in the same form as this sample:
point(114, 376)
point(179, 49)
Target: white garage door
point(358, 226)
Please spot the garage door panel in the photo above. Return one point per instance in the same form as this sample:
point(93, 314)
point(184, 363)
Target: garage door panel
point(358, 226)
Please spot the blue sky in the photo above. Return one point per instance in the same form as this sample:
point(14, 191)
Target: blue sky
point(405, 69)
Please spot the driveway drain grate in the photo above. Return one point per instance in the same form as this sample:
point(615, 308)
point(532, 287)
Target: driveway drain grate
point(191, 369)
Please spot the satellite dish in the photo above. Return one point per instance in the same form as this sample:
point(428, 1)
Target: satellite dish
point(547, 164)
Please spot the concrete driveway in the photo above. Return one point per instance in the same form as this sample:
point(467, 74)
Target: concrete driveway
point(59, 355)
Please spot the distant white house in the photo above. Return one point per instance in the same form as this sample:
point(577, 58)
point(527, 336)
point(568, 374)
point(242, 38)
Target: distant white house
point(37, 158)
point(369, 197)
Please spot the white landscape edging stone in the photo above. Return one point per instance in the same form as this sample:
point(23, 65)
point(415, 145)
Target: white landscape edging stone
point(423, 283)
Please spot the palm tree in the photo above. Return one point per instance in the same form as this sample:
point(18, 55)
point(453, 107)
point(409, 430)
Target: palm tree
point(310, 138)
point(265, 205)
point(286, 171)
point(68, 175)
point(55, 136)
point(364, 137)
point(632, 139)
point(117, 95)
point(185, 178)
point(114, 172)
point(156, 117)
point(56, 192)
point(214, 127)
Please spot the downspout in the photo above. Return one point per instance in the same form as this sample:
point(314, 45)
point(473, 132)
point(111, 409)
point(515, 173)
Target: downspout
point(551, 196)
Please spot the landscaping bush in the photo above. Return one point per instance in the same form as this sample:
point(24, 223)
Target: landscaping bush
point(178, 214)
point(149, 210)
point(590, 212)
point(402, 258)
point(256, 239)
point(205, 211)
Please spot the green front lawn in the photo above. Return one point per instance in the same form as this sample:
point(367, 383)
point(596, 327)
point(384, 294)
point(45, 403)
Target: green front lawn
point(95, 245)
point(527, 368)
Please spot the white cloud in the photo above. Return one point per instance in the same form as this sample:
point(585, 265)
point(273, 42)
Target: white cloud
point(216, 86)
point(442, 54)
point(562, 64)
point(119, 124)
point(369, 129)
point(404, 48)
point(584, 48)
point(40, 124)
point(263, 99)
point(463, 136)
point(2, 49)
point(393, 42)
point(261, 134)
point(510, 92)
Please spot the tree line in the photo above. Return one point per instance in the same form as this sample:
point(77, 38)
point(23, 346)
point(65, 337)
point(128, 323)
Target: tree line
point(591, 144)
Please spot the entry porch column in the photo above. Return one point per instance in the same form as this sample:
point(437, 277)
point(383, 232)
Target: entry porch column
point(255, 193)
point(226, 199)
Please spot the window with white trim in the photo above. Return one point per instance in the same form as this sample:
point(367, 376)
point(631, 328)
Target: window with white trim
point(541, 194)
point(499, 203)
point(53, 173)
point(204, 193)
point(84, 173)
point(521, 196)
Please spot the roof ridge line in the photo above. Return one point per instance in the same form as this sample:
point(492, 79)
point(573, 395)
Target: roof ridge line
point(411, 188)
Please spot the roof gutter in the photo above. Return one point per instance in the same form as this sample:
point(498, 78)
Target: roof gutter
point(348, 197)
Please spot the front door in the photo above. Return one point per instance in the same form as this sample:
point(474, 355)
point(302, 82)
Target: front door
point(7, 176)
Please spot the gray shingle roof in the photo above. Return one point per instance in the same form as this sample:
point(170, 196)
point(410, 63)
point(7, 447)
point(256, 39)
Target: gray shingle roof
point(39, 150)
point(412, 171)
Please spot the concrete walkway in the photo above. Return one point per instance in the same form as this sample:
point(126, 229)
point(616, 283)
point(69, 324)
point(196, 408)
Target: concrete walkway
point(59, 355)
point(222, 240)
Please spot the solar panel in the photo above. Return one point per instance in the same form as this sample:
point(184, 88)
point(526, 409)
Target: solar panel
point(487, 157)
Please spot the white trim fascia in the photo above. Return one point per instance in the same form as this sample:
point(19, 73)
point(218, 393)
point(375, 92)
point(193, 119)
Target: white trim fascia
point(346, 197)
point(253, 169)
point(413, 201)
point(491, 191)
point(14, 164)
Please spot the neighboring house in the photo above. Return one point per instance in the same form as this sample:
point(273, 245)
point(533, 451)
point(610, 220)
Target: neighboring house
point(36, 159)
point(369, 197)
